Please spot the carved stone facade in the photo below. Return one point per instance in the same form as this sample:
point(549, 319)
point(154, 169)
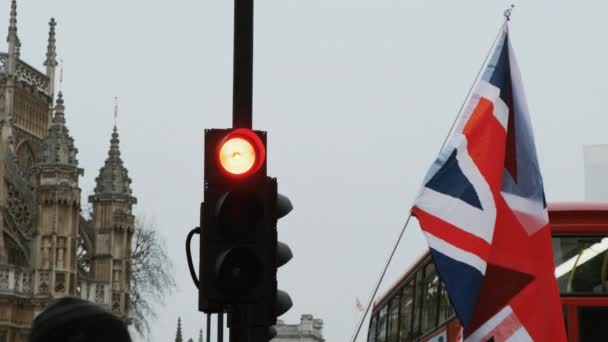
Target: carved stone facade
point(309, 329)
point(48, 249)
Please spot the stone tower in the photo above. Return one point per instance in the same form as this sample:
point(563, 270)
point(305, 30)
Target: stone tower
point(113, 225)
point(47, 248)
point(58, 211)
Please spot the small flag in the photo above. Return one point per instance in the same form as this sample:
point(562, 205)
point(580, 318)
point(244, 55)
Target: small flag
point(359, 305)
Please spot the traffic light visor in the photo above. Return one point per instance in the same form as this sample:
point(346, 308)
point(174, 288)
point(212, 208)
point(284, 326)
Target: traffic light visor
point(241, 152)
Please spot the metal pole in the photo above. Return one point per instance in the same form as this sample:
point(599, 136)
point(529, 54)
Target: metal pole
point(242, 95)
point(220, 327)
point(242, 103)
point(208, 327)
point(239, 324)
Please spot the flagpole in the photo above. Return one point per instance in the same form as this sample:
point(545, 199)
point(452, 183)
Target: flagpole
point(507, 15)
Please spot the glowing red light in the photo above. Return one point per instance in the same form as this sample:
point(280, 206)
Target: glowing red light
point(241, 152)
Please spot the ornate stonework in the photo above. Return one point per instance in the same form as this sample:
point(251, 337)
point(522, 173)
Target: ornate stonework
point(308, 330)
point(47, 248)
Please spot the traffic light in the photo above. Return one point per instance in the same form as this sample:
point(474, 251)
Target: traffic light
point(240, 253)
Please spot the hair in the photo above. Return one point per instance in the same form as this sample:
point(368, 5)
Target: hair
point(76, 320)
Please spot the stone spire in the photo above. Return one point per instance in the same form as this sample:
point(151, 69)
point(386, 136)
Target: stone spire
point(200, 335)
point(14, 44)
point(12, 26)
point(178, 334)
point(113, 177)
point(58, 146)
point(51, 57)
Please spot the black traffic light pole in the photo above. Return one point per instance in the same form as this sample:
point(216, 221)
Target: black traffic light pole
point(240, 253)
point(242, 102)
point(242, 95)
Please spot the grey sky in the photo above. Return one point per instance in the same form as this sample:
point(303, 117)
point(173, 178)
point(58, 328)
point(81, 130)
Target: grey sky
point(356, 95)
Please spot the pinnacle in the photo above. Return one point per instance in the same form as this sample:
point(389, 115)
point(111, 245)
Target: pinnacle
point(13, 18)
point(113, 177)
point(51, 53)
point(58, 145)
point(60, 97)
point(59, 118)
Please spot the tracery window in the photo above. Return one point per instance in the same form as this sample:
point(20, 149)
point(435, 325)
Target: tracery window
point(82, 255)
point(19, 211)
point(25, 161)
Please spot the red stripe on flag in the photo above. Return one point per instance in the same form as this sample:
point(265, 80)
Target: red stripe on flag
point(451, 234)
point(486, 139)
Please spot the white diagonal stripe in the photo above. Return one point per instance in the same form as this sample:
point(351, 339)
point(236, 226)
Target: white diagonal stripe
point(456, 253)
point(520, 335)
point(457, 212)
point(489, 325)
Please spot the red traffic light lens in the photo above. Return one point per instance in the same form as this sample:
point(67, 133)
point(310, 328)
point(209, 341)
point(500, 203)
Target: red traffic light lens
point(241, 152)
point(237, 156)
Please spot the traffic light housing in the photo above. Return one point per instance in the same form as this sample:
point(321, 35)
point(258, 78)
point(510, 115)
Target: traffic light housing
point(240, 253)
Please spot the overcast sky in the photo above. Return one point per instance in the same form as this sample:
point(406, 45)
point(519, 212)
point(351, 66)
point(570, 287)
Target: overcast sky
point(356, 97)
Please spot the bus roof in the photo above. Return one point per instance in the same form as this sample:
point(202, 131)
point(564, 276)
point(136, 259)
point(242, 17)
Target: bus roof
point(578, 217)
point(578, 206)
point(564, 217)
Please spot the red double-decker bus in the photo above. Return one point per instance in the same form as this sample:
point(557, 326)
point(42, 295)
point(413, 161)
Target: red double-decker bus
point(417, 307)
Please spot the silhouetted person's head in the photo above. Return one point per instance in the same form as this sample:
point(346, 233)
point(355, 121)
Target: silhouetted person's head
point(76, 320)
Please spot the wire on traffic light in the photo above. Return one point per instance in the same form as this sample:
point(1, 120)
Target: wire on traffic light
point(196, 230)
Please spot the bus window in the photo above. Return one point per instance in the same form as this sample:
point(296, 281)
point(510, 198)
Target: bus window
point(382, 325)
point(393, 319)
point(417, 304)
point(592, 322)
point(581, 264)
point(445, 307)
point(371, 334)
point(430, 299)
point(407, 307)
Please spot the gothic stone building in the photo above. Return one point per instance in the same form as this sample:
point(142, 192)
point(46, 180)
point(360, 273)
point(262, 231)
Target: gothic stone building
point(309, 329)
point(47, 248)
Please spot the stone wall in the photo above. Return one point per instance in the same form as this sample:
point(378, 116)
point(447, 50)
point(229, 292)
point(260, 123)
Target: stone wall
point(309, 329)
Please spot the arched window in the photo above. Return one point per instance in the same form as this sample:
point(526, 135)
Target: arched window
point(14, 253)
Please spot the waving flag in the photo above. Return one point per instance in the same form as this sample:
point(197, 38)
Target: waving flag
point(483, 211)
point(359, 306)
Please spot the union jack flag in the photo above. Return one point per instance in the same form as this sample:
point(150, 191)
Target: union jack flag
point(482, 209)
point(358, 305)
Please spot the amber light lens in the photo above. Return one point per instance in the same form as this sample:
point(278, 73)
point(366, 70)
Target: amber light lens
point(237, 156)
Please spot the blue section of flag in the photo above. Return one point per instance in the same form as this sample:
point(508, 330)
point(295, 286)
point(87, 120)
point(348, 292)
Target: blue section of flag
point(501, 72)
point(450, 180)
point(498, 57)
point(462, 282)
point(529, 182)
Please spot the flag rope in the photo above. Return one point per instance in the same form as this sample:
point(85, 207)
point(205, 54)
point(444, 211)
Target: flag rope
point(409, 216)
